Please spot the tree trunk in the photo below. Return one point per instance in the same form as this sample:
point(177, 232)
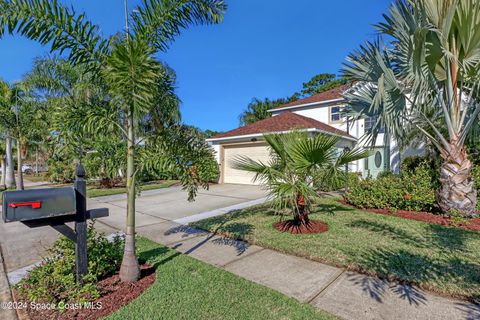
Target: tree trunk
point(10, 173)
point(4, 173)
point(457, 191)
point(19, 166)
point(130, 270)
point(36, 160)
point(302, 211)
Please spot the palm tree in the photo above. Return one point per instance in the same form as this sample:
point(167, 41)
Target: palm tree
point(298, 162)
point(426, 78)
point(3, 167)
point(127, 59)
point(6, 122)
point(258, 110)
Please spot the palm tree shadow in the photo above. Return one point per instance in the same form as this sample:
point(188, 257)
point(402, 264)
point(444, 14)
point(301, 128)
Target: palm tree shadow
point(152, 256)
point(471, 311)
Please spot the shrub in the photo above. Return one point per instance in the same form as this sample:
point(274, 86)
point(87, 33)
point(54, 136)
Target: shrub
point(61, 171)
point(54, 279)
point(414, 191)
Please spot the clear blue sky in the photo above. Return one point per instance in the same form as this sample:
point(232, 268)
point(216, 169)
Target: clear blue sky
point(264, 48)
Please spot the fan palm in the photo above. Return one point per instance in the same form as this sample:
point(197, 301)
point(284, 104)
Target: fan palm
point(126, 59)
point(298, 161)
point(426, 78)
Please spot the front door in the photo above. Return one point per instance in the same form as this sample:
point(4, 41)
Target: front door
point(375, 163)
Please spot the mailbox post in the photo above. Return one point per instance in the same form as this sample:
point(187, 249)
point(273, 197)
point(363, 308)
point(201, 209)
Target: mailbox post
point(81, 260)
point(55, 207)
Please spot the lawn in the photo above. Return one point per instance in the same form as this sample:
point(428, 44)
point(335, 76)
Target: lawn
point(93, 191)
point(190, 289)
point(440, 259)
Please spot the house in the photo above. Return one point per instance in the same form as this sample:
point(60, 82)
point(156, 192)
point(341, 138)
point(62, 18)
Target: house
point(318, 113)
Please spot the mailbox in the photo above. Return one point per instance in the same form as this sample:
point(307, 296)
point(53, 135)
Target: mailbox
point(36, 204)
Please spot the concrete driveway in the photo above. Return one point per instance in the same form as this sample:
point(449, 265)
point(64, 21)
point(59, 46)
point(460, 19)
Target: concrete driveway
point(22, 246)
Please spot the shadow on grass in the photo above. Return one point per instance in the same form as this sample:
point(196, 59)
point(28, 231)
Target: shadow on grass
point(451, 238)
point(452, 274)
point(389, 231)
point(154, 256)
point(330, 208)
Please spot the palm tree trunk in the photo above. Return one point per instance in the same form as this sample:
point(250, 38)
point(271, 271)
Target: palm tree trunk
point(130, 270)
point(19, 166)
point(457, 192)
point(10, 173)
point(4, 173)
point(302, 211)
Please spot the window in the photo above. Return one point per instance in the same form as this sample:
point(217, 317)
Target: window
point(370, 123)
point(336, 114)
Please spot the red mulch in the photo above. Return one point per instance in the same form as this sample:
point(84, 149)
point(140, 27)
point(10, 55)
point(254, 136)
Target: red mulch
point(470, 224)
point(114, 295)
point(294, 227)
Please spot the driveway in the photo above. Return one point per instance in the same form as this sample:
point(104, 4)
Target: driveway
point(22, 246)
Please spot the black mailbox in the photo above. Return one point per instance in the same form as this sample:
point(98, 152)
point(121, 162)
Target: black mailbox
point(38, 204)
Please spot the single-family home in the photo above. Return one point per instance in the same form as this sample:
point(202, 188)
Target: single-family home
point(321, 113)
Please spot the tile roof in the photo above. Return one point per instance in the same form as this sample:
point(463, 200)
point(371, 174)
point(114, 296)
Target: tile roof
point(283, 122)
point(335, 93)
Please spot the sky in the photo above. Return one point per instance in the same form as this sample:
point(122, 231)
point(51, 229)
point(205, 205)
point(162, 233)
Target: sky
point(263, 49)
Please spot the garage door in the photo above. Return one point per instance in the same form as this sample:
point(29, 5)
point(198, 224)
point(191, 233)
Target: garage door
point(257, 152)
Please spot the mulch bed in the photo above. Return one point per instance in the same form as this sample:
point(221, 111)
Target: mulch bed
point(114, 295)
point(470, 224)
point(294, 227)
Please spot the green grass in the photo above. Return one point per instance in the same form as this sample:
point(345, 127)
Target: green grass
point(186, 288)
point(93, 191)
point(440, 259)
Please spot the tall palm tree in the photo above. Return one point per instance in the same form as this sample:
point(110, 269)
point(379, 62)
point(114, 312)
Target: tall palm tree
point(298, 161)
point(6, 122)
point(427, 77)
point(127, 59)
point(3, 166)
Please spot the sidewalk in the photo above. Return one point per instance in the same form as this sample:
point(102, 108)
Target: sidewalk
point(346, 294)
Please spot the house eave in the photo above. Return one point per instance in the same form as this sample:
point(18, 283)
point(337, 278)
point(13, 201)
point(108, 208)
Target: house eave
point(256, 135)
point(306, 105)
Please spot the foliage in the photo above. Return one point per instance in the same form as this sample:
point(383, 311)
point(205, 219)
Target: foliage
point(54, 279)
point(425, 78)
point(337, 182)
point(413, 190)
point(297, 162)
point(258, 110)
point(320, 83)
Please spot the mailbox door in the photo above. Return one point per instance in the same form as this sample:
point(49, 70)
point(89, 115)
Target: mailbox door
point(38, 203)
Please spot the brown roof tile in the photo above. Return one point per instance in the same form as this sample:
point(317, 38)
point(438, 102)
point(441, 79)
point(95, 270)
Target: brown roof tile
point(283, 122)
point(335, 93)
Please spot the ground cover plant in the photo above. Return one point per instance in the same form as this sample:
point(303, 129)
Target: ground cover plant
point(441, 259)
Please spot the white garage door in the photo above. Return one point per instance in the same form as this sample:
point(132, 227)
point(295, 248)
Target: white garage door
point(257, 152)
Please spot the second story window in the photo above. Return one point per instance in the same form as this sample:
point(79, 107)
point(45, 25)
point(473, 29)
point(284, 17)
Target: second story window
point(370, 123)
point(336, 114)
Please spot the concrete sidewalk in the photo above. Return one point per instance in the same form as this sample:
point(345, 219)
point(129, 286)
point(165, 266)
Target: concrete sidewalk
point(348, 295)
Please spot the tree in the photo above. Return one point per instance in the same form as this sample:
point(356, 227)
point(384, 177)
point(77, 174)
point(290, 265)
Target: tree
point(3, 166)
point(126, 62)
point(320, 83)
point(428, 74)
point(6, 123)
point(258, 110)
point(297, 162)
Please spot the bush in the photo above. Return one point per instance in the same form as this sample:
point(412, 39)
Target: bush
point(414, 191)
point(337, 182)
point(61, 171)
point(54, 279)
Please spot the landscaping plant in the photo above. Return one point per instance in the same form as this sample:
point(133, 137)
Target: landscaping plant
point(426, 78)
point(54, 279)
point(298, 160)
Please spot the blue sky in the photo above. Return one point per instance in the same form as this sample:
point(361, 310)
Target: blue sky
point(264, 48)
